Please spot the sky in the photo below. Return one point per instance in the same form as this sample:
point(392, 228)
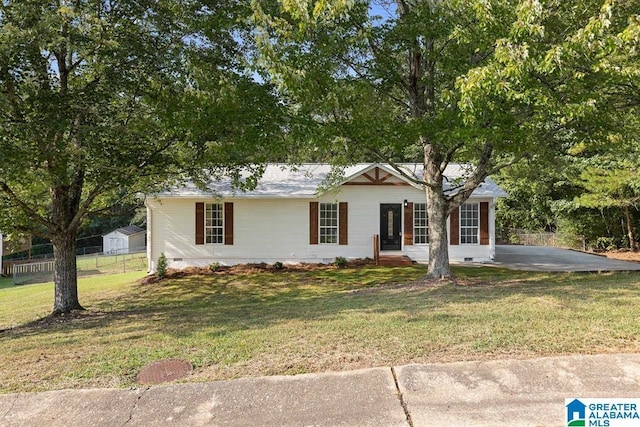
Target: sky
point(382, 8)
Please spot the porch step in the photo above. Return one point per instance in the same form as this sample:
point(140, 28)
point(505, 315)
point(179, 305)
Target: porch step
point(395, 260)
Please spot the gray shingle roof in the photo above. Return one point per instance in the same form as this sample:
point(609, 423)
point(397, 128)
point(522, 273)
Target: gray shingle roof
point(129, 230)
point(304, 181)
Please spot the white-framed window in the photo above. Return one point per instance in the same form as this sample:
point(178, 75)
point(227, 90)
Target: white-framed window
point(329, 223)
point(420, 224)
point(469, 223)
point(214, 223)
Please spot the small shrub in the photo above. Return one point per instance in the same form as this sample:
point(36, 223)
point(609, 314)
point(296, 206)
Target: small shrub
point(515, 239)
point(214, 266)
point(340, 262)
point(161, 270)
point(278, 266)
point(605, 244)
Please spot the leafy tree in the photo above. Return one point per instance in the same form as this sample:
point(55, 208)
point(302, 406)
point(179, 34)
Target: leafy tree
point(533, 187)
point(102, 99)
point(592, 108)
point(584, 196)
point(479, 82)
point(615, 187)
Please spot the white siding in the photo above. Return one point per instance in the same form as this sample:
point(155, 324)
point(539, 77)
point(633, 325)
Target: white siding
point(270, 230)
point(137, 242)
point(264, 231)
point(364, 212)
point(151, 259)
point(476, 252)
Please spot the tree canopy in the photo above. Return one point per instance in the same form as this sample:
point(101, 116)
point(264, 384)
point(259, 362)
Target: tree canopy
point(102, 99)
point(485, 83)
point(592, 109)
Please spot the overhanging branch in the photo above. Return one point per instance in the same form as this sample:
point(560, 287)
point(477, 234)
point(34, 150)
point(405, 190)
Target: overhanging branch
point(28, 210)
point(448, 156)
point(399, 168)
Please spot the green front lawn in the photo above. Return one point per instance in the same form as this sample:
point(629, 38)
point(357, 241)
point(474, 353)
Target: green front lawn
point(271, 323)
point(6, 282)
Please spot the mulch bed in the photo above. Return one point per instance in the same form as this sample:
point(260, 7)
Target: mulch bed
point(243, 269)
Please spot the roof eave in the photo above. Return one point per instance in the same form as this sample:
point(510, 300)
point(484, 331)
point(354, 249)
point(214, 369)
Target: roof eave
point(384, 167)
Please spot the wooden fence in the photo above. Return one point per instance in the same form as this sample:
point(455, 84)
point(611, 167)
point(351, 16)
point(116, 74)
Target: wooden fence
point(33, 272)
point(7, 267)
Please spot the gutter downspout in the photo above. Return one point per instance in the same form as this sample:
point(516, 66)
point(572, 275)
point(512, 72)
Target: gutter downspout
point(150, 264)
point(492, 229)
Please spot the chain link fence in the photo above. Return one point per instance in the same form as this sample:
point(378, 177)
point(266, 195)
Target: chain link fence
point(514, 236)
point(88, 265)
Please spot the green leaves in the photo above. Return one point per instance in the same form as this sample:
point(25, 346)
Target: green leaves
point(128, 95)
point(101, 100)
point(614, 185)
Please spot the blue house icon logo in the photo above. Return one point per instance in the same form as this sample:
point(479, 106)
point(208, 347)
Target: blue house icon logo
point(576, 414)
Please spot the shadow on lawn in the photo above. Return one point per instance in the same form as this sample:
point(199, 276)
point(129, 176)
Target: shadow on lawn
point(222, 304)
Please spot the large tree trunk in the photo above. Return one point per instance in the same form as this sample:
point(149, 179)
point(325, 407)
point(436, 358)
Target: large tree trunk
point(422, 101)
point(438, 211)
point(64, 206)
point(65, 274)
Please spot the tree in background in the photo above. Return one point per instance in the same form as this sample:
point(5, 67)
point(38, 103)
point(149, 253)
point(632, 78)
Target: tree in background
point(589, 200)
point(593, 111)
point(616, 186)
point(534, 186)
point(483, 83)
point(102, 99)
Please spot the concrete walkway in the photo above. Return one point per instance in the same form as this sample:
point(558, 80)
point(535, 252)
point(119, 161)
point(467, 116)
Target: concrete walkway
point(496, 393)
point(539, 258)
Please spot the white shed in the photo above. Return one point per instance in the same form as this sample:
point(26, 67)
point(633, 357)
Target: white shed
point(124, 240)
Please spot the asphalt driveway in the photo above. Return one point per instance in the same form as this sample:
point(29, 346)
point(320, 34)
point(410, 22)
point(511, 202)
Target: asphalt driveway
point(540, 258)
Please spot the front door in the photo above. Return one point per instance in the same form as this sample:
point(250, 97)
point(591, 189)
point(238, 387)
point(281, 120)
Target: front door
point(390, 223)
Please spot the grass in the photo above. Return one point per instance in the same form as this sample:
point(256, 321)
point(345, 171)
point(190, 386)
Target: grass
point(27, 303)
point(270, 323)
point(6, 282)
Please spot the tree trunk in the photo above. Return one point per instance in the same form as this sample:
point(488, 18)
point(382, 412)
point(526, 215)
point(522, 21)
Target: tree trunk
point(65, 274)
point(64, 206)
point(437, 212)
point(632, 237)
point(422, 97)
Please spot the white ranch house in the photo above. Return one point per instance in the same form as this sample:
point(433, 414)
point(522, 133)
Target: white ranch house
point(289, 218)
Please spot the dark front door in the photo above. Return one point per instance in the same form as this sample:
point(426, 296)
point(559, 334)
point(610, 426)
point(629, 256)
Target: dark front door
point(390, 227)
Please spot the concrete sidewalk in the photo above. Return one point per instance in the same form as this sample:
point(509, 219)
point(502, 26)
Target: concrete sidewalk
point(495, 393)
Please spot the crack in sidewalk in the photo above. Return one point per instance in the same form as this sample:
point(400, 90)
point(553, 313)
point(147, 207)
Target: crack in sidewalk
point(135, 405)
point(13, 404)
point(403, 403)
